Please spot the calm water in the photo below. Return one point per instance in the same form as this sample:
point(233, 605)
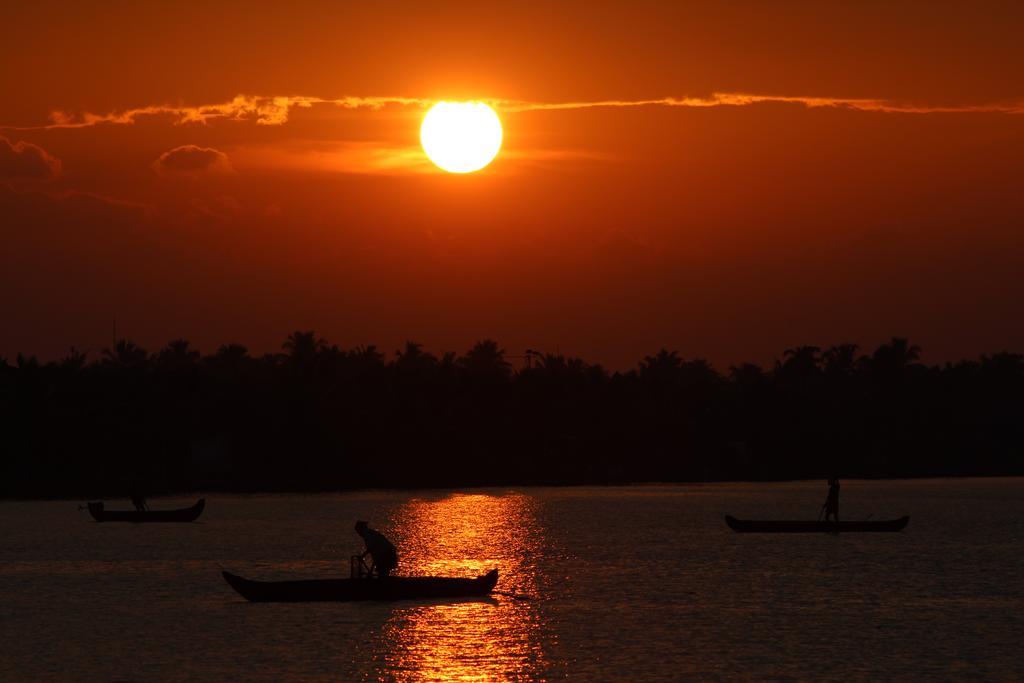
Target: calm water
point(632, 583)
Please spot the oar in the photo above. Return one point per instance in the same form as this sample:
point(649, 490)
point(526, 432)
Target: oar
point(514, 596)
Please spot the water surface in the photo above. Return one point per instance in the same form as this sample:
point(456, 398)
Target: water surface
point(628, 583)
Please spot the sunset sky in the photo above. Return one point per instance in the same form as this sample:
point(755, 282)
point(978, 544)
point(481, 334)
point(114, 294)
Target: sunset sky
point(725, 179)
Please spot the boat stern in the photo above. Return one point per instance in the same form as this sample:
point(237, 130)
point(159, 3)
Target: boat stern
point(489, 580)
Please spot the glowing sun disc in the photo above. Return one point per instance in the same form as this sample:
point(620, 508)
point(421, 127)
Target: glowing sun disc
point(461, 137)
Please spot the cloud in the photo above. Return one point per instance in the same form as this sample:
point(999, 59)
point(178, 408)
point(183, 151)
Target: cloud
point(25, 160)
point(192, 159)
point(82, 212)
point(68, 257)
point(97, 203)
point(747, 99)
point(222, 209)
point(375, 157)
point(262, 110)
point(340, 157)
point(275, 110)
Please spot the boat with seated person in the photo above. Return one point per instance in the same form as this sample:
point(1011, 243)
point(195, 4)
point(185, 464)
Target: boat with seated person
point(190, 514)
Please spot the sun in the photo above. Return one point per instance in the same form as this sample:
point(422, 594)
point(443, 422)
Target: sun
point(461, 137)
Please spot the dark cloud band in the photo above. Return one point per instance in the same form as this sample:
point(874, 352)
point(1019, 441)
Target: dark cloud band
point(25, 160)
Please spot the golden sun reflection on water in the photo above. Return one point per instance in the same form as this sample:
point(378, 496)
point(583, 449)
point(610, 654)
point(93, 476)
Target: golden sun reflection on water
point(483, 640)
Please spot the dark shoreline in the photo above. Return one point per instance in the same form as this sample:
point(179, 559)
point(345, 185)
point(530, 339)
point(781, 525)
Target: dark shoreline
point(321, 418)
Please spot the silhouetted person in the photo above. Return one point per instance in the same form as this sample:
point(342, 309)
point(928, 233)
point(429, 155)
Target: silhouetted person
point(383, 555)
point(139, 501)
point(832, 501)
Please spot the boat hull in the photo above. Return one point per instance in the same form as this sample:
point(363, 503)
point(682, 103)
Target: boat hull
point(810, 526)
point(347, 590)
point(138, 516)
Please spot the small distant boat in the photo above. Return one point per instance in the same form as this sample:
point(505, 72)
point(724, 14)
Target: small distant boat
point(100, 514)
point(344, 590)
point(810, 526)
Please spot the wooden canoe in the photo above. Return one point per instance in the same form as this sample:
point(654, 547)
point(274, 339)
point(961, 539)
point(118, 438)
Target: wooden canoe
point(344, 590)
point(183, 515)
point(810, 526)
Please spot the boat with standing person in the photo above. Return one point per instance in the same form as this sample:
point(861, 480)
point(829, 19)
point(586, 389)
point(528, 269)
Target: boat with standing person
point(810, 525)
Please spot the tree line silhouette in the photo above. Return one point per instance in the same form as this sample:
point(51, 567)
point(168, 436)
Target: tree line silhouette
point(319, 417)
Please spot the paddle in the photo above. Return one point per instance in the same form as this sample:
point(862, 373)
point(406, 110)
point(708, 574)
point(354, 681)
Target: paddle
point(514, 596)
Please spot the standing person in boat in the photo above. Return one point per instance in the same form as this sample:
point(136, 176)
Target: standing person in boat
point(382, 552)
point(139, 501)
point(832, 501)
point(136, 485)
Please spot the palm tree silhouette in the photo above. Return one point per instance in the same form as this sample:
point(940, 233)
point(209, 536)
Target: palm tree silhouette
point(840, 359)
point(799, 362)
point(231, 354)
point(698, 373)
point(413, 358)
point(74, 360)
point(449, 362)
point(303, 348)
point(663, 366)
point(747, 375)
point(1003, 363)
point(486, 359)
point(125, 354)
point(367, 357)
point(177, 354)
point(895, 358)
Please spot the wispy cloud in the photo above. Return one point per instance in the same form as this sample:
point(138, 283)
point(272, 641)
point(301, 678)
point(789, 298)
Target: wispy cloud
point(275, 110)
point(338, 157)
point(262, 110)
point(36, 202)
point(747, 99)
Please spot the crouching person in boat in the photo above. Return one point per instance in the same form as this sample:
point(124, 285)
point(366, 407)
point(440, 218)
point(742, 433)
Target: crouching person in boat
point(382, 552)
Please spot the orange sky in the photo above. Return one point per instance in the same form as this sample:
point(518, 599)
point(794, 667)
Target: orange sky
point(710, 210)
